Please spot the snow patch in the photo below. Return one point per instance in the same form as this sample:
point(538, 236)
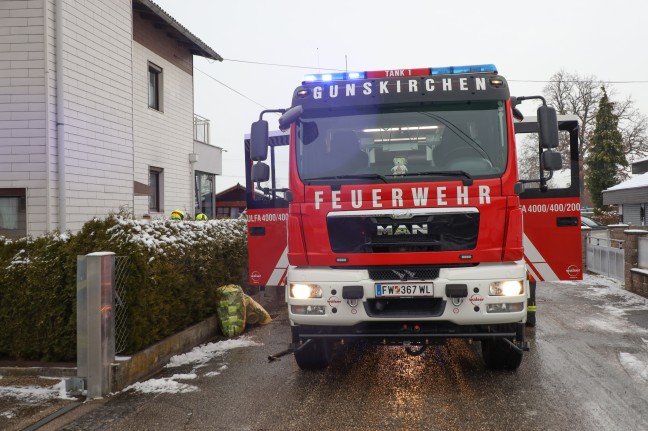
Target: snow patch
point(35, 394)
point(162, 386)
point(634, 366)
point(8, 414)
point(200, 355)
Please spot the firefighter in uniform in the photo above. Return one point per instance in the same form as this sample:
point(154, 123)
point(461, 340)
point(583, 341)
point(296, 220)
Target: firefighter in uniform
point(531, 305)
point(201, 216)
point(177, 215)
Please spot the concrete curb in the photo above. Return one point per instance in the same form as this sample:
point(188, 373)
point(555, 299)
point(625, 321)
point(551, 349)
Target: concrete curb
point(128, 370)
point(151, 360)
point(38, 371)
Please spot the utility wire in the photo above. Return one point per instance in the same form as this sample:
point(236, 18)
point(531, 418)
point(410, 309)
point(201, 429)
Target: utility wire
point(230, 88)
point(575, 80)
point(341, 70)
point(282, 65)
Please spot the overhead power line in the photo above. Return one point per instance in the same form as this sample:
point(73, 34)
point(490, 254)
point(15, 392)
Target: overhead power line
point(261, 63)
point(294, 66)
point(283, 65)
point(548, 81)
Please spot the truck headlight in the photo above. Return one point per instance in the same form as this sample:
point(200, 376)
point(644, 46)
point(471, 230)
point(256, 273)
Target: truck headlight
point(506, 288)
point(305, 291)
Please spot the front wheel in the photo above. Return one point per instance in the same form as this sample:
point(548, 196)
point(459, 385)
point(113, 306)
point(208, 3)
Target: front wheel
point(315, 355)
point(500, 355)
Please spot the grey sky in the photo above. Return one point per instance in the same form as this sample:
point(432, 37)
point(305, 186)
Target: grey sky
point(527, 41)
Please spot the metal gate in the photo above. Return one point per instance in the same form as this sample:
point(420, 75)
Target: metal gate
point(121, 274)
point(605, 256)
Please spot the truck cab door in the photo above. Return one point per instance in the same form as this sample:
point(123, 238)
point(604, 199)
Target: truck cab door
point(267, 218)
point(552, 227)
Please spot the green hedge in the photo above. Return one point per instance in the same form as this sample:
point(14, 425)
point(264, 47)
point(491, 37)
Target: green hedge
point(172, 271)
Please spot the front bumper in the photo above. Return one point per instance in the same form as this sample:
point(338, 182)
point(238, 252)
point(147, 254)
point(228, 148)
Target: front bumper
point(437, 315)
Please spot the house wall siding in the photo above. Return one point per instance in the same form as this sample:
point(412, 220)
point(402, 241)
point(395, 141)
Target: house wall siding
point(98, 108)
point(22, 105)
point(111, 136)
point(164, 139)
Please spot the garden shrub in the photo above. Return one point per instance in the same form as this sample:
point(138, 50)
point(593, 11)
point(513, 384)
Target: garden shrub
point(172, 271)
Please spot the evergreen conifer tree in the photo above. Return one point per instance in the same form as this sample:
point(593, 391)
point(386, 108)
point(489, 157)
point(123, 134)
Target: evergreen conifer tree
point(606, 158)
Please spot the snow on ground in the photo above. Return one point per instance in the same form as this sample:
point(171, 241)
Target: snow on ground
point(619, 301)
point(198, 358)
point(32, 395)
point(200, 355)
point(168, 385)
point(635, 366)
point(618, 304)
point(36, 394)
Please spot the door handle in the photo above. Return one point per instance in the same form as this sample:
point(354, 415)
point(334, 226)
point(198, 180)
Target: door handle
point(257, 231)
point(566, 221)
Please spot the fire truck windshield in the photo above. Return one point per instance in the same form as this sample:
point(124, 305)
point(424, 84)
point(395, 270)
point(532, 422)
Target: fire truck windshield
point(403, 144)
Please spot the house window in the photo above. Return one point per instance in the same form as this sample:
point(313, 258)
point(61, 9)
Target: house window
point(13, 214)
point(223, 212)
point(204, 187)
point(155, 87)
point(156, 182)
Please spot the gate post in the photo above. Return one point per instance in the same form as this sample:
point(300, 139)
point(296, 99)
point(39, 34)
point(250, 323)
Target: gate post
point(96, 321)
point(631, 255)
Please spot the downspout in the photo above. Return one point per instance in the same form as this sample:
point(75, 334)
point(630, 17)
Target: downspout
point(60, 116)
point(48, 118)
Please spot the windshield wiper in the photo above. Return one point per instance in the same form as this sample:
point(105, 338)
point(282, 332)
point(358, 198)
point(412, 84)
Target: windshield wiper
point(349, 176)
point(467, 179)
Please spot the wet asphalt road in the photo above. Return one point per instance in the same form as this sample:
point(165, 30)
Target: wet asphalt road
point(587, 370)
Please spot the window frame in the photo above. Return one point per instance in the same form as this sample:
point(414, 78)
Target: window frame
point(21, 216)
point(210, 211)
point(155, 86)
point(157, 190)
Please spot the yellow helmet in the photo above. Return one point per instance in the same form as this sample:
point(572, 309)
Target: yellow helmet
point(177, 215)
point(201, 216)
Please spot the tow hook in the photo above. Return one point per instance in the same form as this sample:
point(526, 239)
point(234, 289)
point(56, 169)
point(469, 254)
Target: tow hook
point(520, 346)
point(414, 351)
point(292, 348)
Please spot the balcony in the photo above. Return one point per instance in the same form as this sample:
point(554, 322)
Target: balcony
point(201, 129)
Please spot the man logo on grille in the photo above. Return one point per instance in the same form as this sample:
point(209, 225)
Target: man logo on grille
point(405, 275)
point(402, 229)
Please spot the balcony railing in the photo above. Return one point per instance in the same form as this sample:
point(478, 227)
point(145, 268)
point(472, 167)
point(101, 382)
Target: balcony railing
point(201, 129)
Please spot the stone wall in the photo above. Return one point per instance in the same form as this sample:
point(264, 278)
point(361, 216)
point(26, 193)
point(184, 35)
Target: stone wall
point(636, 280)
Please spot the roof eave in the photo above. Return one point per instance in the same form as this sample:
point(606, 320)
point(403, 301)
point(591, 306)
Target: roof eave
point(202, 49)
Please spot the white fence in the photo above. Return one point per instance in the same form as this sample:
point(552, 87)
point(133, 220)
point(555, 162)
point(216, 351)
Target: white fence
point(605, 256)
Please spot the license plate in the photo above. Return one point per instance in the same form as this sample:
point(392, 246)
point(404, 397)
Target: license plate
point(404, 289)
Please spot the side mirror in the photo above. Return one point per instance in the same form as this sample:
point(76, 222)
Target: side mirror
point(290, 116)
point(551, 160)
point(259, 141)
point(548, 127)
point(260, 172)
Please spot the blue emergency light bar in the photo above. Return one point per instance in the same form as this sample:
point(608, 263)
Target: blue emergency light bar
point(340, 76)
point(476, 68)
point(450, 70)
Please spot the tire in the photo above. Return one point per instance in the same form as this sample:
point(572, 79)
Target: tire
point(314, 356)
point(499, 355)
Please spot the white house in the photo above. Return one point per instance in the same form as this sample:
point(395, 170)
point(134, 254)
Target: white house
point(631, 196)
point(96, 114)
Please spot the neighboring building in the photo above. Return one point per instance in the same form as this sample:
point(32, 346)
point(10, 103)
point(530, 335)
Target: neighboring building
point(631, 196)
point(96, 114)
point(231, 203)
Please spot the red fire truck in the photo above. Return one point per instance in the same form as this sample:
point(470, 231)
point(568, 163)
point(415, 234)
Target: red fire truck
point(405, 208)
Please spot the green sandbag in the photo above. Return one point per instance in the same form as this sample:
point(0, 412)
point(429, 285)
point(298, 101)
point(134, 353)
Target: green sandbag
point(255, 313)
point(230, 310)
